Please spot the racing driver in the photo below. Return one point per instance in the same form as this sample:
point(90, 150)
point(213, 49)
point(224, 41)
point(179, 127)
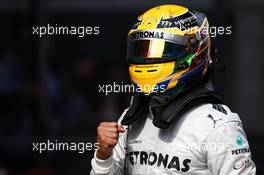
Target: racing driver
point(176, 123)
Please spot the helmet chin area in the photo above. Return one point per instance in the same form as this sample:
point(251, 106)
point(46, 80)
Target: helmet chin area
point(151, 78)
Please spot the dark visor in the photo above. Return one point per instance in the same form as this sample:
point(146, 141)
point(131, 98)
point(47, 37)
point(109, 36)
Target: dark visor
point(144, 51)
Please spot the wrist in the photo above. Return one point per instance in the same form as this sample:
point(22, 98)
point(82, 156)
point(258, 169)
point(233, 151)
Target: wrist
point(103, 155)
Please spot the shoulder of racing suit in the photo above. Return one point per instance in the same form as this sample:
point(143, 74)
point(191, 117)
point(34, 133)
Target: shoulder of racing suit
point(203, 120)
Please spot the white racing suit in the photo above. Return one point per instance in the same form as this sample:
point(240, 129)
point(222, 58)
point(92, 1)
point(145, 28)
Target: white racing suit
point(208, 139)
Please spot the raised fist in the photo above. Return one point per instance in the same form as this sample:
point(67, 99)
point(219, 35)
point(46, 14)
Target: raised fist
point(107, 138)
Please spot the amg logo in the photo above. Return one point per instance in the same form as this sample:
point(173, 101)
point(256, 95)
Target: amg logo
point(143, 158)
point(146, 34)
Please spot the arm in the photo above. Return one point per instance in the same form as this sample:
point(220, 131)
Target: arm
point(228, 151)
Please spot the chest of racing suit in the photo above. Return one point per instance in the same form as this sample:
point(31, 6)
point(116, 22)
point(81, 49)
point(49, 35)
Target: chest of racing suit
point(208, 139)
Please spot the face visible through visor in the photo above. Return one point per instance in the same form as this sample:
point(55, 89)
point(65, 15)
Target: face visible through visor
point(154, 51)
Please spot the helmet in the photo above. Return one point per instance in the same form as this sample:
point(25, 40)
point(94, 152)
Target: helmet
point(168, 47)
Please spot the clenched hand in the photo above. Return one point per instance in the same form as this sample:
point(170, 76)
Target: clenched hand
point(107, 137)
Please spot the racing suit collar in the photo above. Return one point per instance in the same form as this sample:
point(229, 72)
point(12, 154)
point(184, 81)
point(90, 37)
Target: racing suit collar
point(168, 107)
point(164, 115)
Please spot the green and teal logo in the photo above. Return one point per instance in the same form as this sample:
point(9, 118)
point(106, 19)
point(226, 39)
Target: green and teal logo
point(239, 140)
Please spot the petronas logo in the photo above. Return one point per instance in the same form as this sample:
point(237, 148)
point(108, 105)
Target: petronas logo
point(239, 140)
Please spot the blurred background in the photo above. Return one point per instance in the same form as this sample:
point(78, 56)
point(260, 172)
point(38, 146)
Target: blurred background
point(49, 85)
